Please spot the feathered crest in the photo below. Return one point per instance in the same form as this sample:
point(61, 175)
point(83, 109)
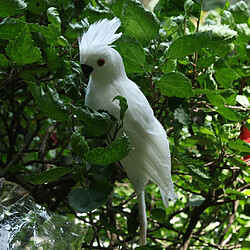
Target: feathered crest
point(100, 33)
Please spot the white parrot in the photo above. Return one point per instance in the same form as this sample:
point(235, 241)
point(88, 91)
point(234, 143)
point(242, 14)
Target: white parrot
point(150, 158)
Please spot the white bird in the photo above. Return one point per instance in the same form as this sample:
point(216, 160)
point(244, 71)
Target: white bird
point(150, 158)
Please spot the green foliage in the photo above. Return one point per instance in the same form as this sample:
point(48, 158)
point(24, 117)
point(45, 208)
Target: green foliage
point(116, 151)
point(67, 155)
point(47, 176)
point(22, 50)
point(88, 199)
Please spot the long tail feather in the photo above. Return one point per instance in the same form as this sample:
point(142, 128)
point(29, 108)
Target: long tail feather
point(142, 218)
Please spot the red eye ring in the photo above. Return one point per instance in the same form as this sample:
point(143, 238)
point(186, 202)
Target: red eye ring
point(100, 62)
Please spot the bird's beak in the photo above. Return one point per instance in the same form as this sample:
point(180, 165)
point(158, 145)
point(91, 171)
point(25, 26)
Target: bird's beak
point(86, 70)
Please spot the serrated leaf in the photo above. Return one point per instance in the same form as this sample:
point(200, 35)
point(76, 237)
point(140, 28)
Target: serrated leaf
point(200, 174)
point(11, 7)
point(116, 151)
point(188, 44)
point(139, 22)
point(175, 84)
point(52, 58)
point(123, 105)
point(239, 145)
point(85, 200)
point(95, 123)
point(50, 33)
point(132, 53)
point(10, 27)
point(49, 102)
point(48, 176)
point(22, 50)
point(53, 17)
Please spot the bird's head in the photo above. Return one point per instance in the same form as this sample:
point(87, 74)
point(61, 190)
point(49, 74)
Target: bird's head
point(97, 57)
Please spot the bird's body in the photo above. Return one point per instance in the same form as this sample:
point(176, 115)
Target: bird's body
point(150, 157)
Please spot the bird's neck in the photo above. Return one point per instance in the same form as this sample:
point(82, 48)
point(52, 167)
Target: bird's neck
point(114, 75)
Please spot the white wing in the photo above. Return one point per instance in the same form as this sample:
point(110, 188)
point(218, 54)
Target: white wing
point(150, 158)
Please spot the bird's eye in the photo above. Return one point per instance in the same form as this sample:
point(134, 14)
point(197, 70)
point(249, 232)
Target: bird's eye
point(100, 62)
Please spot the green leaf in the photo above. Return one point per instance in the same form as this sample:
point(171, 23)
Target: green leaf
point(85, 200)
point(238, 162)
point(52, 58)
point(11, 7)
point(216, 99)
point(79, 144)
point(100, 172)
point(174, 8)
point(50, 34)
point(3, 61)
point(239, 145)
point(230, 114)
point(139, 22)
point(175, 84)
point(49, 102)
point(227, 18)
point(199, 173)
point(63, 41)
point(195, 201)
point(224, 75)
point(240, 12)
point(53, 17)
point(199, 140)
point(243, 31)
point(38, 6)
point(47, 176)
point(22, 50)
point(123, 106)
point(182, 115)
point(74, 30)
point(95, 14)
point(95, 123)
point(235, 195)
point(10, 27)
point(159, 214)
point(169, 66)
point(116, 151)
point(132, 53)
point(188, 44)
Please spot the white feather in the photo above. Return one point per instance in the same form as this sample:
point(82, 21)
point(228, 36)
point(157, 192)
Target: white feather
point(150, 158)
point(100, 33)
